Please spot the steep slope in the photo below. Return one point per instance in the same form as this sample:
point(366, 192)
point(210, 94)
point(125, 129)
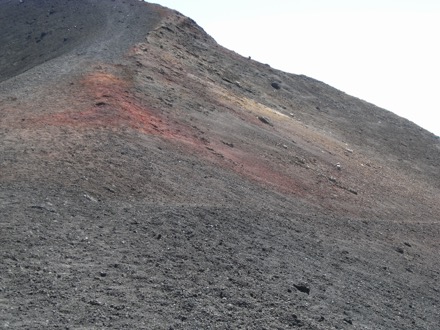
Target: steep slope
point(152, 179)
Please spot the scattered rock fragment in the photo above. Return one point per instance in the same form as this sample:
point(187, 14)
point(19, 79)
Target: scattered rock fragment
point(265, 120)
point(44, 207)
point(110, 189)
point(354, 192)
point(229, 144)
point(275, 85)
point(95, 303)
point(90, 198)
point(295, 321)
point(302, 288)
point(227, 79)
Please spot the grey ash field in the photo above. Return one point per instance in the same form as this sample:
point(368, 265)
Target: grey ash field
point(152, 179)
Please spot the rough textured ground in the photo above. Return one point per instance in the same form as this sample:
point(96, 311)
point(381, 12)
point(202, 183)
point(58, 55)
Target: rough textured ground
point(151, 179)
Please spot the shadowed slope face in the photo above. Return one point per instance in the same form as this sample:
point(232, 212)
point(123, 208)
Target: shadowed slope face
point(38, 31)
point(152, 179)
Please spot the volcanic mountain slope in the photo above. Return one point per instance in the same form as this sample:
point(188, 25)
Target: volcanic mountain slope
point(152, 179)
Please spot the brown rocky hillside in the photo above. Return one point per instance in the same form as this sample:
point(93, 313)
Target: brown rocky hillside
point(152, 179)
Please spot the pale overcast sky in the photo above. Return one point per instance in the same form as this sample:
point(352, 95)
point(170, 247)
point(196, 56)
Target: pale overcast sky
point(386, 52)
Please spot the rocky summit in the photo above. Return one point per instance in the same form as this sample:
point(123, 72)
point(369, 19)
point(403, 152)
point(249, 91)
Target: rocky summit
point(152, 179)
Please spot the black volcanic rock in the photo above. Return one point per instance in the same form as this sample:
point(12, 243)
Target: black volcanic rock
point(140, 187)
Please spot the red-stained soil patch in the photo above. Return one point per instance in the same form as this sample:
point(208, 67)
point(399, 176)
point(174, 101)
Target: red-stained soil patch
point(113, 106)
point(258, 169)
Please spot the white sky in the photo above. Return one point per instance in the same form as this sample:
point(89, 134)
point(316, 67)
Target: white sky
point(386, 52)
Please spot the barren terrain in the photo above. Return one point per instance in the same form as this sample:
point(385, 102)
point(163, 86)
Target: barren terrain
point(152, 179)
